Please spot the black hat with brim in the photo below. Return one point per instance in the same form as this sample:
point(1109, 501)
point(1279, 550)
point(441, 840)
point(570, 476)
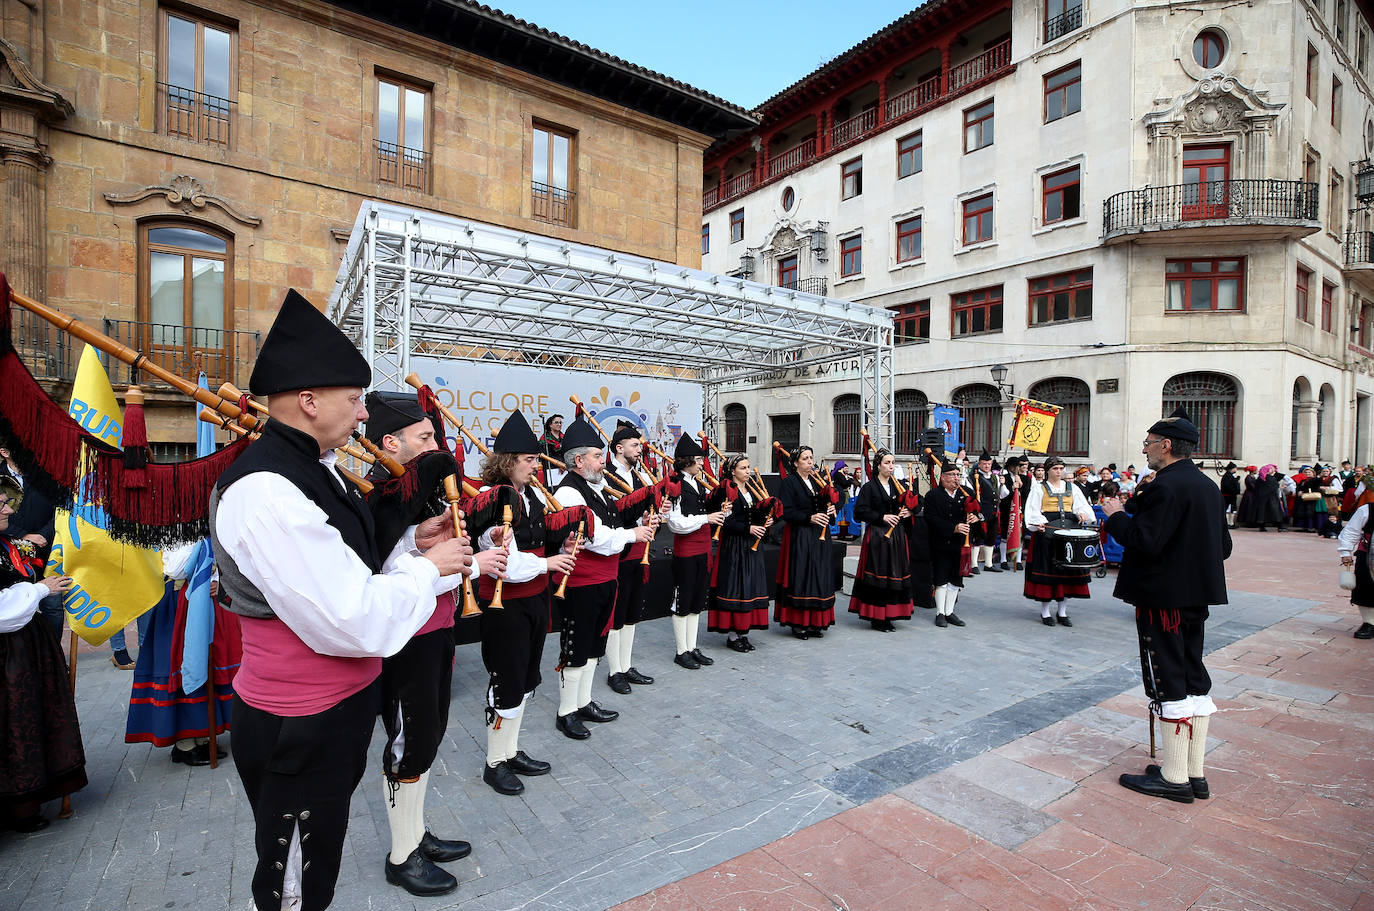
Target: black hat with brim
point(580, 435)
point(687, 448)
point(516, 437)
point(624, 431)
point(304, 350)
point(1177, 426)
point(388, 412)
point(947, 466)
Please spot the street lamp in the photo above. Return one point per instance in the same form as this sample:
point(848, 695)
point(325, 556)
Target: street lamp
point(999, 374)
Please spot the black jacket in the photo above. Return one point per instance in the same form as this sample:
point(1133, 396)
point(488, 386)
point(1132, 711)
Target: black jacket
point(1175, 539)
point(943, 513)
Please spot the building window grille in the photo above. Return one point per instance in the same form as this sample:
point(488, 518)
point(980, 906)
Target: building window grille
point(1062, 17)
point(911, 412)
point(1070, 436)
point(736, 427)
point(846, 414)
point(980, 405)
point(1212, 401)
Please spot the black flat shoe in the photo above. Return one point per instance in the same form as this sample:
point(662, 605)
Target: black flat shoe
point(637, 678)
point(35, 823)
point(1064, 621)
point(953, 620)
point(817, 633)
point(197, 755)
point(1048, 621)
point(572, 726)
point(1366, 631)
point(1199, 785)
point(619, 684)
point(748, 646)
point(686, 660)
point(502, 779)
point(1005, 566)
point(801, 633)
point(940, 621)
point(1154, 785)
point(442, 850)
point(419, 876)
point(994, 568)
point(521, 764)
point(593, 712)
point(702, 659)
point(737, 645)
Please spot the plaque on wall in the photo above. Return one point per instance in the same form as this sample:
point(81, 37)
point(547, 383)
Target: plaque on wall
point(1112, 385)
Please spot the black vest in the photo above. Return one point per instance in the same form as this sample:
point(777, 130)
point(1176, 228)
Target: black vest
point(598, 503)
point(693, 502)
point(530, 533)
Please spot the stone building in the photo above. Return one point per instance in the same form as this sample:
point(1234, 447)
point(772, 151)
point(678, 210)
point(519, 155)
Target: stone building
point(171, 168)
point(1127, 206)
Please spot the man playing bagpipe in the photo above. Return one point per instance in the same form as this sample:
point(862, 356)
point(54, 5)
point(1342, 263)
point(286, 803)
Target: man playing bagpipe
point(513, 634)
point(626, 450)
point(416, 681)
point(695, 511)
point(589, 605)
point(947, 521)
point(320, 605)
point(984, 533)
point(738, 598)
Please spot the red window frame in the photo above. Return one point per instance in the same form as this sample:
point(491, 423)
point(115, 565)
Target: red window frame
point(1211, 198)
point(1044, 291)
point(852, 178)
point(1313, 68)
point(979, 311)
point(909, 240)
point(978, 123)
point(910, 154)
point(1061, 188)
point(1366, 326)
point(979, 211)
point(911, 322)
point(736, 226)
point(1064, 87)
point(1304, 284)
point(851, 255)
point(1209, 43)
point(1208, 271)
point(705, 239)
point(787, 272)
point(1328, 304)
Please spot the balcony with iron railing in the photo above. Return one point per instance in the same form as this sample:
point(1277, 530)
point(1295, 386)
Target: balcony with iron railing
point(195, 116)
point(1212, 211)
point(403, 167)
point(44, 349)
point(994, 63)
point(226, 355)
point(1068, 21)
point(550, 204)
point(1359, 250)
point(815, 285)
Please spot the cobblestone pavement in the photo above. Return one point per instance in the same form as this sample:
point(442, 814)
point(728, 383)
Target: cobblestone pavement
point(701, 768)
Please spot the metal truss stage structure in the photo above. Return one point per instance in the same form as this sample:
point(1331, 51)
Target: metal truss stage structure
point(417, 283)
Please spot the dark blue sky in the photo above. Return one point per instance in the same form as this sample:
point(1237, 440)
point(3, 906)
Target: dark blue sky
point(744, 52)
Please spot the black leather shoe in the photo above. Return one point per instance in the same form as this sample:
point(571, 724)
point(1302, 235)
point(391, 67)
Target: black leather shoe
point(572, 726)
point(1199, 785)
point(953, 620)
point(593, 712)
point(748, 646)
point(1048, 621)
point(702, 659)
point(419, 876)
point(994, 568)
point(637, 678)
point(1366, 631)
point(1064, 621)
point(35, 823)
point(801, 633)
point(618, 683)
point(442, 850)
point(1005, 566)
point(521, 764)
point(816, 632)
point(737, 645)
point(502, 779)
point(976, 570)
point(940, 621)
point(197, 755)
point(1154, 785)
point(686, 660)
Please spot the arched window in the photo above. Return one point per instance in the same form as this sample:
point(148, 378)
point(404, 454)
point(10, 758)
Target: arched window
point(1212, 401)
point(1299, 393)
point(185, 301)
point(846, 412)
point(1325, 400)
point(911, 414)
point(1071, 427)
point(736, 433)
point(980, 406)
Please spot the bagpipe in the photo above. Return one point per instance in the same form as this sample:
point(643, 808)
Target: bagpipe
point(765, 509)
point(824, 496)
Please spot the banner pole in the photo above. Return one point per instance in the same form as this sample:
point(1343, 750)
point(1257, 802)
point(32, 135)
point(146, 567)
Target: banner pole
point(66, 811)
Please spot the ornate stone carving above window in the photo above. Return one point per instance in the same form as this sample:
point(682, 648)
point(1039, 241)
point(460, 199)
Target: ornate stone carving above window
point(185, 193)
point(1218, 108)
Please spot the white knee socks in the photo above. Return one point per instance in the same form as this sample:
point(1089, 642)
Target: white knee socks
point(613, 652)
point(1367, 614)
point(1197, 747)
point(1174, 734)
point(693, 624)
point(584, 684)
point(627, 644)
point(402, 808)
point(680, 634)
point(1063, 607)
point(569, 688)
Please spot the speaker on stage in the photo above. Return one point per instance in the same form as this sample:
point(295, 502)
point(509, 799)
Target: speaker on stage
point(933, 438)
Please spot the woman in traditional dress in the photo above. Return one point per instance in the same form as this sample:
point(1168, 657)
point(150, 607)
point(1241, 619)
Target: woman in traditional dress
point(806, 582)
point(882, 585)
point(738, 598)
point(1309, 493)
point(42, 758)
point(1054, 502)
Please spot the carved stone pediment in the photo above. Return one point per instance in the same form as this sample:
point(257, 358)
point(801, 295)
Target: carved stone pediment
point(185, 193)
point(19, 87)
point(1217, 104)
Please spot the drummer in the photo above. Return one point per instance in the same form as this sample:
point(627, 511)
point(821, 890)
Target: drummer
point(1054, 503)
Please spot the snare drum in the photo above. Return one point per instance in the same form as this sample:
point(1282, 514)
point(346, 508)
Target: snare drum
point(1074, 548)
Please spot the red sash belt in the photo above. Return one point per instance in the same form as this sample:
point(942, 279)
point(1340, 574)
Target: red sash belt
point(694, 543)
point(486, 586)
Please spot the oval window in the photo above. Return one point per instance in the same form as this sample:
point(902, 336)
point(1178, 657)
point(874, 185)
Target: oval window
point(1209, 47)
point(789, 199)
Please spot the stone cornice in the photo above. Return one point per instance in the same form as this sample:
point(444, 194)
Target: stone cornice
point(185, 193)
point(19, 87)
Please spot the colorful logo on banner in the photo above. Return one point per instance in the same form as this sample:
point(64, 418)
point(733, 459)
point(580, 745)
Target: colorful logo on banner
point(946, 418)
point(112, 583)
point(1033, 426)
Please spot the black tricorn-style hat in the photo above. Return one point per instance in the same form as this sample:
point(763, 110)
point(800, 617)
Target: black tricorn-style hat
point(985, 456)
point(580, 435)
point(1013, 462)
point(624, 430)
point(1177, 426)
point(388, 412)
point(949, 465)
point(304, 350)
point(516, 437)
point(687, 448)
point(1230, 466)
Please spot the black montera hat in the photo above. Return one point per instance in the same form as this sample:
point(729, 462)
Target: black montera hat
point(624, 430)
point(516, 437)
point(687, 447)
point(1177, 427)
point(580, 435)
point(304, 350)
point(388, 412)
point(949, 465)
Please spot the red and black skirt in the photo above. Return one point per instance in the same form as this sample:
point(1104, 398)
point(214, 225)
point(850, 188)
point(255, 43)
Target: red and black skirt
point(882, 585)
point(1047, 582)
point(806, 583)
point(738, 600)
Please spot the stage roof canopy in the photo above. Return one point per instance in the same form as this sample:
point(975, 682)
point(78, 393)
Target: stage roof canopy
point(417, 283)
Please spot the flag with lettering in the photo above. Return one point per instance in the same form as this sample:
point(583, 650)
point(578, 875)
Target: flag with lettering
point(112, 583)
point(1033, 425)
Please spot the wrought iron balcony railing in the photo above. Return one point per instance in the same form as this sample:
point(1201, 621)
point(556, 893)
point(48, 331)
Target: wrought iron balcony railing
point(1235, 201)
point(1068, 21)
point(226, 355)
point(552, 204)
point(196, 116)
point(402, 167)
point(1359, 248)
point(44, 349)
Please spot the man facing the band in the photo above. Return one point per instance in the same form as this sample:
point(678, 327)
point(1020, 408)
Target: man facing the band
point(626, 449)
point(416, 681)
point(590, 599)
point(320, 606)
point(513, 635)
point(1173, 534)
